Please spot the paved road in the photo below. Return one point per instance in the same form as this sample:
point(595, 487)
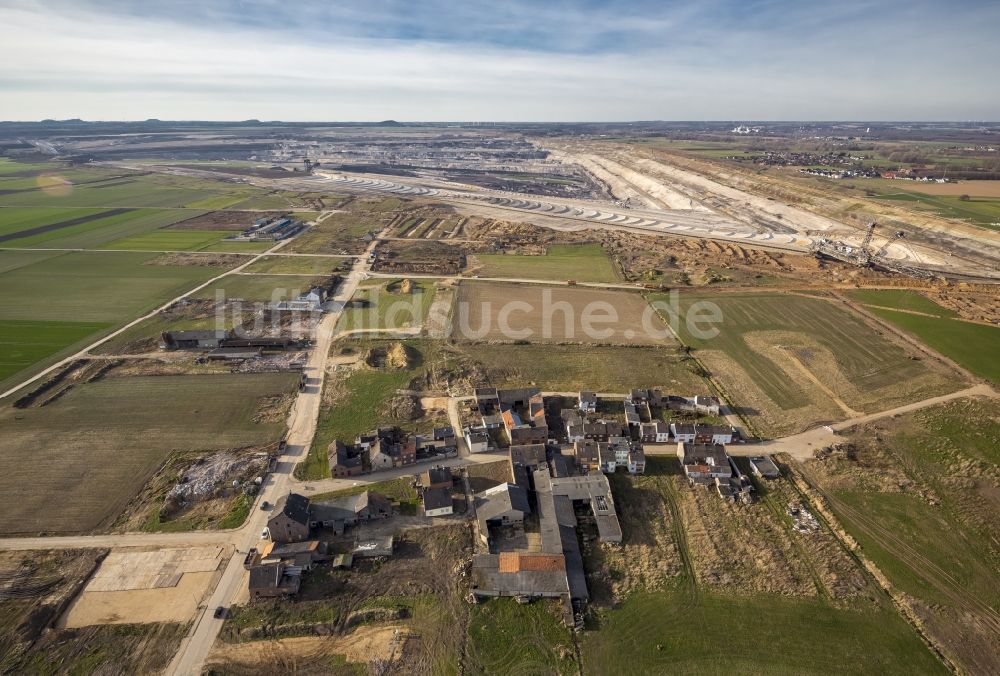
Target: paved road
point(302, 427)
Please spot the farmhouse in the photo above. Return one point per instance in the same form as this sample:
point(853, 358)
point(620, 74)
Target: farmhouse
point(503, 505)
point(436, 477)
point(683, 432)
point(290, 521)
point(594, 456)
point(763, 466)
point(654, 432)
point(588, 402)
point(350, 510)
point(273, 580)
point(192, 340)
point(345, 461)
point(703, 463)
point(310, 301)
point(529, 456)
point(706, 404)
point(477, 439)
point(713, 434)
point(437, 501)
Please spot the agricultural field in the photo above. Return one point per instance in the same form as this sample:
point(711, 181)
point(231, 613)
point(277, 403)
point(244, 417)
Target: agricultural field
point(532, 639)
point(498, 312)
point(722, 632)
point(569, 368)
point(948, 200)
point(296, 265)
point(900, 299)
point(66, 293)
point(693, 567)
point(918, 493)
point(169, 240)
point(74, 463)
point(261, 288)
point(389, 304)
point(27, 342)
point(789, 361)
point(580, 262)
point(341, 231)
point(974, 346)
point(47, 227)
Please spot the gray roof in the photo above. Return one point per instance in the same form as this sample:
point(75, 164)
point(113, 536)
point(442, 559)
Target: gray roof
point(500, 499)
point(295, 507)
point(436, 498)
point(266, 576)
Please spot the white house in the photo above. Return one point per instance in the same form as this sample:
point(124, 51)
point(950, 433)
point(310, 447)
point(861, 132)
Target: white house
point(683, 433)
point(437, 502)
point(477, 439)
point(588, 402)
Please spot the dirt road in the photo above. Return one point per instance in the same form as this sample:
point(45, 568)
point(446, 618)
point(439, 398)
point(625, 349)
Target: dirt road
point(801, 446)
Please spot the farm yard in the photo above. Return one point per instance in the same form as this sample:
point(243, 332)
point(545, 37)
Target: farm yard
point(793, 360)
point(580, 262)
point(498, 312)
point(74, 463)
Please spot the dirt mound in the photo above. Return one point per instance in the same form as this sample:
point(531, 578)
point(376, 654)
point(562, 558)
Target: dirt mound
point(398, 357)
point(406, 286)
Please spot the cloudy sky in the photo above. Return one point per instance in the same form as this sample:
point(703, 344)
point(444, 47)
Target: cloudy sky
point(518, 60)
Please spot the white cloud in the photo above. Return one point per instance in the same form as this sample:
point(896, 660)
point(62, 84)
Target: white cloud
point(97, 65)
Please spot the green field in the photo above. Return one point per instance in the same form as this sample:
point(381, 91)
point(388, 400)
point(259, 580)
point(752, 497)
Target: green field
point(91, 286)
point(974, 346)
point(585, 367)
point(900, 299)
point(580, 262)
point(50, 302)
point(934, 538)
point(302, 265)
point(23, 343)
point(73, 465)
point(365, 392)
point(505, 637)
point(261, 287)
point(169, 240)
point(100, 232)
point(728, 633)
point(399, 490)
point(388, 307)
point(864, 360)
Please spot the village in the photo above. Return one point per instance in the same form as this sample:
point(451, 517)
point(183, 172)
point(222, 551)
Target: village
point(529, 527)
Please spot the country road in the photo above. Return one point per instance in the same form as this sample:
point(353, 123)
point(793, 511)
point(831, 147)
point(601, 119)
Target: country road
point(302, 427)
